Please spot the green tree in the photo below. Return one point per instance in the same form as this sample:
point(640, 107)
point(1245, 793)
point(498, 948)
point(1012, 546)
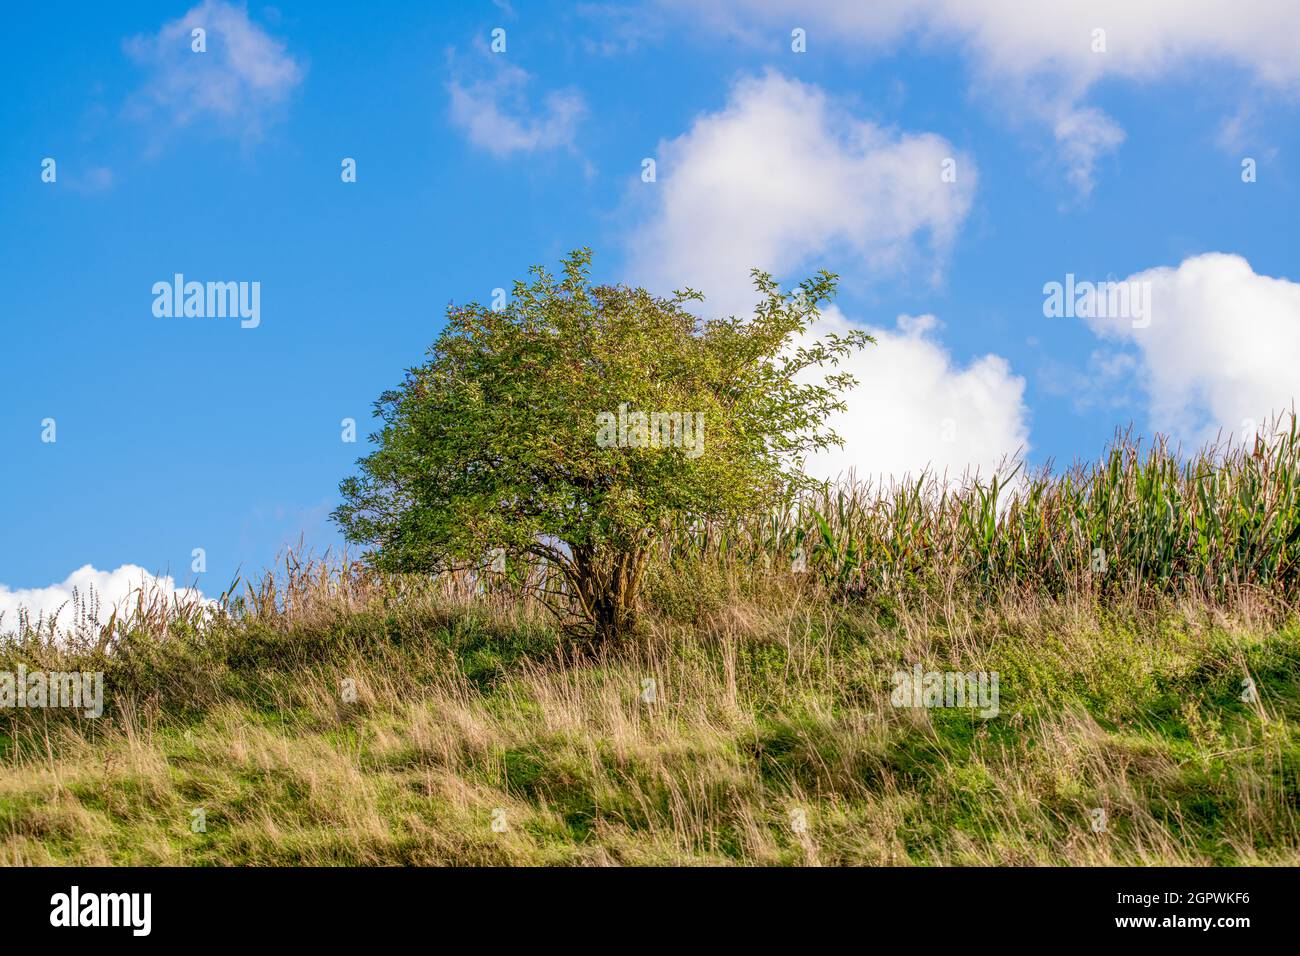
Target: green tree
point(522, 432)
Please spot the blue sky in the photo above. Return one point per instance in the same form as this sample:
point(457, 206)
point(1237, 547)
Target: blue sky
point(1117, 163)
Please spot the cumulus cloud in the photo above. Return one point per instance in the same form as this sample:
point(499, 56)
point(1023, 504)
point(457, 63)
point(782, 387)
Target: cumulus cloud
point(109, 589)
point(782, 176)
point(1044, 57)
point(496, 116)
point(914, 408)
point(784, 179)
point(237, 85)
point(1222, 350)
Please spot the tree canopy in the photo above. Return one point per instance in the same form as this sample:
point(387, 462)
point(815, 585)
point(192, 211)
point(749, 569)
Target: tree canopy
point(576, 422)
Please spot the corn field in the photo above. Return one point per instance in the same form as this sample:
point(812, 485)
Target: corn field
point(1222, 520)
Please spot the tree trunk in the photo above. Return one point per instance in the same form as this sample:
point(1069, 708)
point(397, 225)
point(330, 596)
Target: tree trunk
point(614, 591)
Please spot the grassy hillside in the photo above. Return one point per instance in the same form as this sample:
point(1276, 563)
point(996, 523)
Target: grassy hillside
point(478, 736)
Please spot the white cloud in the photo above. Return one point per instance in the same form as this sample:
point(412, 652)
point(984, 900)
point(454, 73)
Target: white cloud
point(1040, 56)
point(914, 408)
point(783, 177)
point(1143, 40)
point(111, 589)
point(1222, 348)
point(495, 113)
point(786, 180)
point(1085, 136)
point(236, 85)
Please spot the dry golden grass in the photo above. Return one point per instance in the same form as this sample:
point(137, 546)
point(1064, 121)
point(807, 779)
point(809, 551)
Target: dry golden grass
point(477, 736)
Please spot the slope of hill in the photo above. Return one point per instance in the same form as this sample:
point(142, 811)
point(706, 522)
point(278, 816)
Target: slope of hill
point(341, 718)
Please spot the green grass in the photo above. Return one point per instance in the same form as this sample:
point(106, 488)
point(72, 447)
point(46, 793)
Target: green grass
point(772, 710)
